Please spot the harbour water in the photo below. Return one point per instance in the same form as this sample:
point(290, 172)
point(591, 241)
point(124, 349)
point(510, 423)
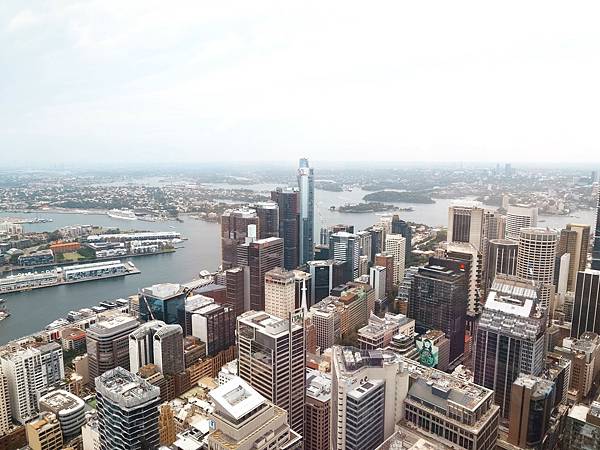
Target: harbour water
point(32, 311)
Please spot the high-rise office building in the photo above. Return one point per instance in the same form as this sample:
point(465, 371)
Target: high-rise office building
point(345, 247)
point(519, 217)
point(165, 302)
point(386, 260)
point(317, 411)
point(501, 259)
point(596, 248)
point(510, 337)
point(468, 254)
point(586, 308)
point(377, 278)
point(68, 408)
point(272, 359)
point(574, 240)
point(243, 419)
point(364, 244)
point(280, 292)
point(238, 289)
point(536, 260)
point(236, 227)
point(107, 344)
point(438, 300)
point(306, 183)
point(30, 373)
point(214, 324)
point(321, 273)
point(403, 228)
point(288, 201)
point(127, 411)
point(156, 343)
point(364, 398)
point(395, 245)
point(268, 219)
point(263, 255)
point(465, 224)
point(531, 405)
point(377, 240)
point(584, 354)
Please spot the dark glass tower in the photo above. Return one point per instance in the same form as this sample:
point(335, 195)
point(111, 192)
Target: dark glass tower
point(438, 301)
point(596, 250)
point(401, 227)
point(289, 209)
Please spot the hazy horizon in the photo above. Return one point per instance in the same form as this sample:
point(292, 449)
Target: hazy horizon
point(147, 82)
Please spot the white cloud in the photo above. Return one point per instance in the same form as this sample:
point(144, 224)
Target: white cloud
point(22, 20)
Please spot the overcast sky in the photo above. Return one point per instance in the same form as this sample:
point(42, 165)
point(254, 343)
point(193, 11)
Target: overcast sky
point(251, 80)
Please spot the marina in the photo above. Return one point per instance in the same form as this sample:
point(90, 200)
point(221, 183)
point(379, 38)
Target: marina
point(76, 273)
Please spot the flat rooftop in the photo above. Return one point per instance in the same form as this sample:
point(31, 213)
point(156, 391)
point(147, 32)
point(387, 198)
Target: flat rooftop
point(123, 387)
point(266, 323)
point(60, 400)
point(236, 398)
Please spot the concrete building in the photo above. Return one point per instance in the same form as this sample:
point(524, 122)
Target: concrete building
point(536, 260)
point(510, 338)
point(403, 228)
point(68, 408)
point(582, 427)
point(157, 343)
point(586, 303)
point(5, 414)
point(327, 317)
point(378, 333)
point(272, 357)
point(90, 434)
point(377, 279)
point(214, 325)
point(454, 412)
point(531, 405)
point(386, 260)
point(238, 289)
point(317, 410)
point(44, 433)
point(471, 257)
point(519, 217)
point(366, 398)
point(127, 411)
point(584, 354)
point(575, 240)
point(395, 244)
point(501, 259)
point(107, 344)
point(465, 224)
point(30, 375)
point(243, 419)
point(280, 292)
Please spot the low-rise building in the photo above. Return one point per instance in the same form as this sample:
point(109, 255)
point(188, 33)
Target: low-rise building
point(380, 330)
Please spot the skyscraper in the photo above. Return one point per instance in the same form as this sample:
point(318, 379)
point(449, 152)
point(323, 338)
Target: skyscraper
point(586, 308)
point(596, 249)
point(280, 292)
point(465, 224)
point(272, 359)
point(574, 239)
point(214, 324)
point(510, 337)
point(156, 343)
point(401, 227)
point(263, 255)
point(438, 300)
point(27, 379)
point(345, 247)
point(107, 344)
point(502, 259)
point(317, 425)
point(5, 422)
point(321, 273)
point(377, 279)
point(288, 201)
point(165, 302)
point(395, 245)
point(519, 217)
point(531, 404)
point(237, 290)
point(306, 183)
point(536, 260)
point(236, 227)
point(127, 411)
point(268, 219)
point(386, 260)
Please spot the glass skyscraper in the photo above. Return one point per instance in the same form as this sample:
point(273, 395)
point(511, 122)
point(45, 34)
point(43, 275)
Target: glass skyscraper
point(306, 183)
point(596, 249)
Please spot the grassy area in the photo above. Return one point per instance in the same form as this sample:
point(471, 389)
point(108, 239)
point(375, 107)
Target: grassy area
point(71, 256)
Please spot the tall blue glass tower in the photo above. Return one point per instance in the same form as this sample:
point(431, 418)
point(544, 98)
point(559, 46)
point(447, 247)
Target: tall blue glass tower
point(306, 183)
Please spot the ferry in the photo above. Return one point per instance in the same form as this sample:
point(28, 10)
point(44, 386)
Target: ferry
point(4, 314)
point(123, 214)
point(107, 304)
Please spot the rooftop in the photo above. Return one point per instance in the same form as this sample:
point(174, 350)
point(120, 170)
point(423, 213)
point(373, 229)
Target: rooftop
point(125, 388)
point(236, 398)
point(267, 323)
point(60, 400)
point(163, 290)
point(318, 385)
